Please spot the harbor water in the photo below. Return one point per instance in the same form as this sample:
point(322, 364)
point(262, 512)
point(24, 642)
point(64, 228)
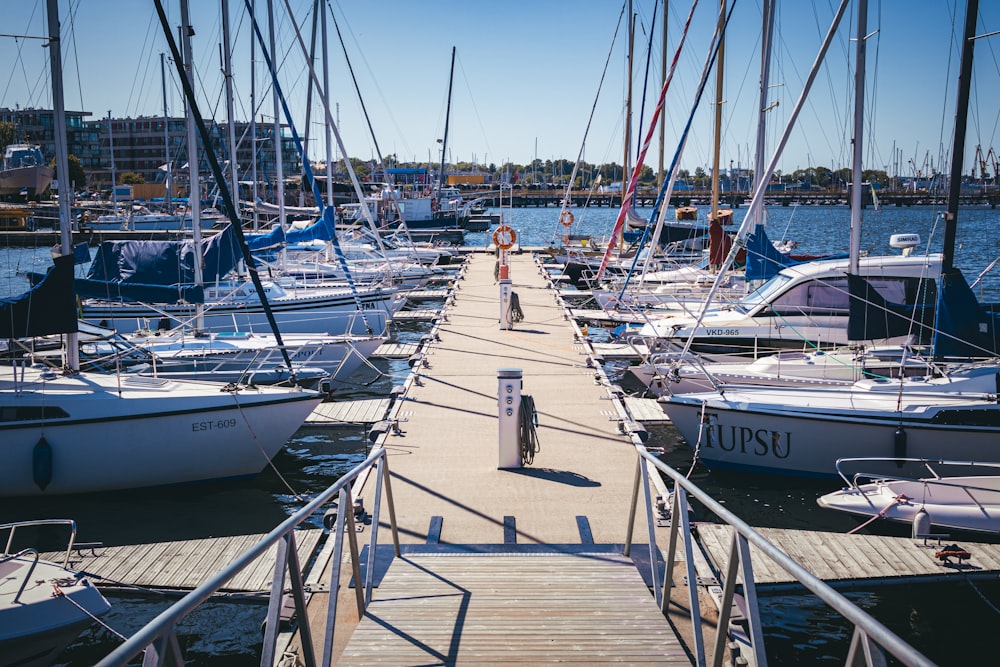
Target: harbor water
point(951, 624)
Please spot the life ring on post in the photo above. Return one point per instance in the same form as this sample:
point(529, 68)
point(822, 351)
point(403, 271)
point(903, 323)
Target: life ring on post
point(566, 218)
point(504, 237)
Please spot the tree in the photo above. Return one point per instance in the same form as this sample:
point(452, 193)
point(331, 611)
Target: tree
point(7, 134)
point(131, 178)
point(77, 176)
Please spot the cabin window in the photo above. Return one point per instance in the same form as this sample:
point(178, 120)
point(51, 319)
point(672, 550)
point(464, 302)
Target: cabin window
point(20, 413)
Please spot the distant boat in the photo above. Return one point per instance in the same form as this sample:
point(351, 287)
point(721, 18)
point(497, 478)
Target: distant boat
point(44, 605)
point(23, 170)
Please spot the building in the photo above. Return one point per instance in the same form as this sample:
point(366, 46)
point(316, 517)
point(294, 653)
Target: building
point(146, 145)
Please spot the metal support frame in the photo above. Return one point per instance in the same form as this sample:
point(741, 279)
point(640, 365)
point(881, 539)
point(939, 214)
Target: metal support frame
point(871, 642)
point(158, 638)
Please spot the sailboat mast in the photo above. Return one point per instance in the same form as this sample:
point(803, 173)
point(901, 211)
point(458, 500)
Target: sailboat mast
point(166, 133)
point(859, 119)
point(663, 118)
point(111, 151)
point(447, 118)
point(765, 78)
point(961, 123)
point(194, 192)
point(62, 160)
point(719, 64)
point(331, 160)
point(227, 59)
point(628, 100)
point(278, 168)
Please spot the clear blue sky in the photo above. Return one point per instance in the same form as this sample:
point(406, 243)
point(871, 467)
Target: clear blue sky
point(527, 74)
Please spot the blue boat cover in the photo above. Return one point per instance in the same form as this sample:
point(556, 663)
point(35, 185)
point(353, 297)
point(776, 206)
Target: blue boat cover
point(964, 327)
point(158, 271)
point(872, 317)
point(321, 230)
point(763, 259)
point(49, 307)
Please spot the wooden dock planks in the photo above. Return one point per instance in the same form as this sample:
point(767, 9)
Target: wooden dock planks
point(363, 411)
point(183, 565)
point(450, 609)
point(840, 557)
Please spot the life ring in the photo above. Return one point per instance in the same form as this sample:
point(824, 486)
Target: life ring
point(504, 237)
point(435, 205)
point(566, 218)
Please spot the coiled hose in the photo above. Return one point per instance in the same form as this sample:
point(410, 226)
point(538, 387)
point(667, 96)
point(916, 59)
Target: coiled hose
point(528, 436)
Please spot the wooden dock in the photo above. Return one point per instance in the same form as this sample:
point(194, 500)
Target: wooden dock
point(855, 560)
point(512, 574)
point(182, 565)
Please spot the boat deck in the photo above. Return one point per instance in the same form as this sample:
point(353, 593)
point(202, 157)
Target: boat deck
point(546, 580)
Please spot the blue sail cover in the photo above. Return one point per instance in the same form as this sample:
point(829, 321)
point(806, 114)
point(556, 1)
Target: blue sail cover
point(964, 327)
point(158, 271)
point(872, 317)
point(49, 307)
point(763, 259)
point(320, 230)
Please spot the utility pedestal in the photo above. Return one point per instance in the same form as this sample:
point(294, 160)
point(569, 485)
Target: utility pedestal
point(509, 400)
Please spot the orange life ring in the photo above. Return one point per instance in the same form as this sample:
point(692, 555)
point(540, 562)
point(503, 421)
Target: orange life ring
point(504, 237)
point(566, 218)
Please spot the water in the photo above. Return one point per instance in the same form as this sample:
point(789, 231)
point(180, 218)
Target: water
point(951, 624)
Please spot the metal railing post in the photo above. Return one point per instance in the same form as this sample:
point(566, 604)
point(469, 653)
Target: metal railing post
point(632, 506)
point(726, 606)
point(392, 506)
point(298, 595)
point(750, 597)
point(343, 501)
point(373, 541)
point(651, 530)
point(668, 568)
point(271, 625)
point(352, 541)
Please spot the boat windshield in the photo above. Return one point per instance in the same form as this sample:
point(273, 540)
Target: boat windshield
point(763, 294)
point(24, 156)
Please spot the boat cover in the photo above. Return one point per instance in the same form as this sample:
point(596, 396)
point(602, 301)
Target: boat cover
point(872, 317)
point(49, 307)
point(964, 327)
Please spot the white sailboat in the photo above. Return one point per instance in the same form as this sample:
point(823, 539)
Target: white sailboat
point(75, 432)
point(804, 431)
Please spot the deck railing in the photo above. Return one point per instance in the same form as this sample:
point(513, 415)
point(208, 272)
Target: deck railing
point(158, 638)
point(871, 640)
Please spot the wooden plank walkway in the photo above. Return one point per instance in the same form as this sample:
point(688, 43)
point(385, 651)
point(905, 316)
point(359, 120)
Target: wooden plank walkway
point(183, 565)
point(395, 350)
point(417, 315)
point(645, 410)
point(858, 558)
point(361, 411)
point(536, 609)
point(448, 490)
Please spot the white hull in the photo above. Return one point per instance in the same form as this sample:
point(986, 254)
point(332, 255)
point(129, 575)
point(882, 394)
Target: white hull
point(953, 503)
point(803, 432)
point(89, 433)
point(310, 310)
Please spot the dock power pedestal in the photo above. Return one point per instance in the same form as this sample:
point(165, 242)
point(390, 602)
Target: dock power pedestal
point(509, 404)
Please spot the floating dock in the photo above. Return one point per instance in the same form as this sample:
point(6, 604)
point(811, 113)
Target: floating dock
point(523, 564)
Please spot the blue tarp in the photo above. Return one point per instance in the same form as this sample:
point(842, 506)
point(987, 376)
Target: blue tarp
point(964, 327)
point(159, 271)
point(49, 307)
point(763, 259)
point(321, 230)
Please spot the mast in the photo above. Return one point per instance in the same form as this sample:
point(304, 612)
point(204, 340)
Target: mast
point(713, 214)
point(166, 133)
point(765, 78)
point(111, 150)
point(253, 121)
point(62, 160)
point(330, 158)
point(278, 169)
point(859, 119)
point(447, 118)
point(227, 72)
point(958, 143)
point(628, 99)
point(663, 78)
point(194, 191)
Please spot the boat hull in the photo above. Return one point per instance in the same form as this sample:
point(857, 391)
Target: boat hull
point(76, 437)
point(36, 179)
point(745, 437)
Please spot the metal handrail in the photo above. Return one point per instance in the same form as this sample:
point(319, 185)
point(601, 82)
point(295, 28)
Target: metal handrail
point(12, 527)
point(27, 575)
point(871, 638)
point(160, 636)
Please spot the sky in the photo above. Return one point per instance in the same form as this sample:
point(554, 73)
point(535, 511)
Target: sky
point(546, 79)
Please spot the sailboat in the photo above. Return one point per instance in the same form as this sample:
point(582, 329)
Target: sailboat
point(23, 169)
point(803, 431)
point(67, 431)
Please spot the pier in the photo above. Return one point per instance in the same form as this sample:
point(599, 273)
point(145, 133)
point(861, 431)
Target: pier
point(439, 554)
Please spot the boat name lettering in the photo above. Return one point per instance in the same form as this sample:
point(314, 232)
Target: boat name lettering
point(216, 425)
point(722, 332)
point(745, 440)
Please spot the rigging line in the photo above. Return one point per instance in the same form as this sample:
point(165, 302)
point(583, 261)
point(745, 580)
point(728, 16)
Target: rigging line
point(590, 119)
